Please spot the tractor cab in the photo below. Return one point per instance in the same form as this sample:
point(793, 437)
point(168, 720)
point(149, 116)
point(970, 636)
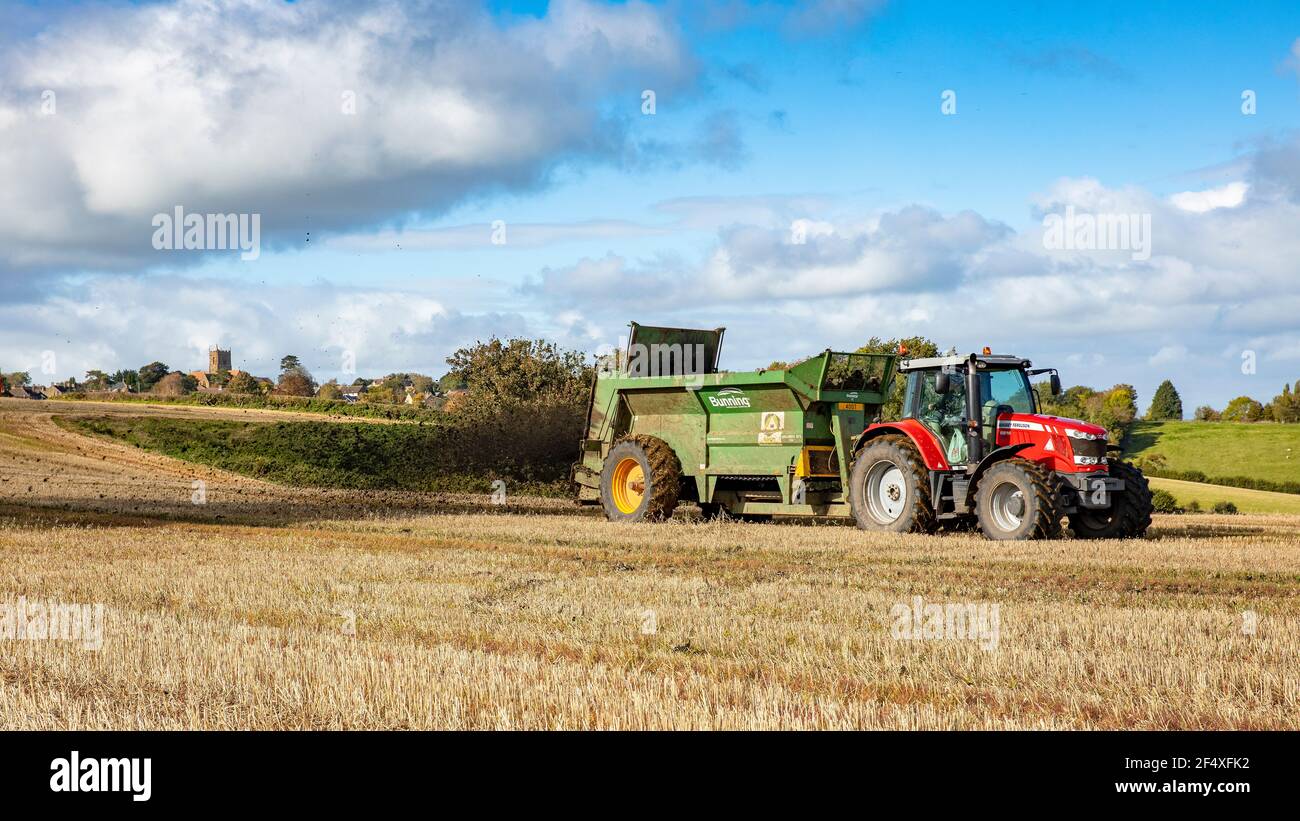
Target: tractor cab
point(945, 393)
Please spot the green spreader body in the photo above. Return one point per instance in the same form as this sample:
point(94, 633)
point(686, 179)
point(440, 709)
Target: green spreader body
point(754, 442)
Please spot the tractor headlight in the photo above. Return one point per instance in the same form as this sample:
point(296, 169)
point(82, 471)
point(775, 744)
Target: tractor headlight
point(1090, 460)
point(1079, 434)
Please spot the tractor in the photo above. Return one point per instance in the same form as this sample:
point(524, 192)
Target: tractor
point(972, 448)
point(665, 425)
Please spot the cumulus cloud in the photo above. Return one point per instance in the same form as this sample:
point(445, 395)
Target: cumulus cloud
point(110, 322)
point(1225, 196)
point(1219, 278)
point(914, 249)
point(1168, 354)
point(397, 109)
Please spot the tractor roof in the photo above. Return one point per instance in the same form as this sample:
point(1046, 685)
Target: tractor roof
point(991, 360)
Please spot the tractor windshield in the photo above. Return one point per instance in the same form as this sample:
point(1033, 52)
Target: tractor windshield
point(1007, 387)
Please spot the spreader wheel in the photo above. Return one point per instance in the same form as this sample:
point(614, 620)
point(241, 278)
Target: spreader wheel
point(640, 481)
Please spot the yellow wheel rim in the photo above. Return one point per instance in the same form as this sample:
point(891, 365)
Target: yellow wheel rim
point(628, 485)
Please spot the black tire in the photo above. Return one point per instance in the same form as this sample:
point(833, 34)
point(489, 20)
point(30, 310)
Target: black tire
point(1129, 514)
point(660, 483)
point(1018, 500)
point(906, 490)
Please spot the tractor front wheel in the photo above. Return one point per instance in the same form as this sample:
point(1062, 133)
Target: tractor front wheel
point(1018, 500)
point(889, 488)
point(1129, 514)
point(640, 481)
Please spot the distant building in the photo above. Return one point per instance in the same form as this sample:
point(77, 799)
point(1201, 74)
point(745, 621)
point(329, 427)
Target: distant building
point(218, 360)
point(26, 392)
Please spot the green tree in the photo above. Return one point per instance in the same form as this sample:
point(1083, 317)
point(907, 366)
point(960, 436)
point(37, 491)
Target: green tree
point(421, 383)
point(1286, 405)
point(380, 394)
point(451, 382)
point(150, 374)
point(1166, 404)
point(1205, 413)
point(1071, 404)
point(1243, 409)
point(18, 378)
point(522, 369)
point(96, 380)
point(295, 380)
point(295, 383)
point(390, 389)
point(173, 384)
point(915, 347)
point(330, 390)
point(129, 378)
point(242, 383)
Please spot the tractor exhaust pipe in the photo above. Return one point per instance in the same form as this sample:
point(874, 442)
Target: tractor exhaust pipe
point(974, 418)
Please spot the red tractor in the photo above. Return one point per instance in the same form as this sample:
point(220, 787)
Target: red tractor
point(973, 448)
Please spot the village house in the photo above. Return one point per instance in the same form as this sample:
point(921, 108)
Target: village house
point(26, 392)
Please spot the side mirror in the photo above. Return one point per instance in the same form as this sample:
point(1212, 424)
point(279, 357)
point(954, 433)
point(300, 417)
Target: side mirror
point(1056, 384)
point(941, 383)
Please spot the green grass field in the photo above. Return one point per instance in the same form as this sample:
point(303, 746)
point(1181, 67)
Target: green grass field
point(1218, 449)
point(461, 457)
point(1247, 501)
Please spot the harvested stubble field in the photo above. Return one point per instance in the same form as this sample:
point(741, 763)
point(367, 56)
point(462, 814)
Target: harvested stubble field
point(234, 613)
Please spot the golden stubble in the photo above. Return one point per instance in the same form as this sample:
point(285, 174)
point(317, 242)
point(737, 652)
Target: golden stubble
point(282, 608)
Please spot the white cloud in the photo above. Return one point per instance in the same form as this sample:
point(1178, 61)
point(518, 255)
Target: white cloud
point(1168, 354)
point(186, 103)
point(517, 235)
point(113, 321)
point(1225, 196)
point(1218, 278)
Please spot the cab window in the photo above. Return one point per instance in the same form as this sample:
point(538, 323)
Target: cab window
point(1010, 387)
point(944, 414)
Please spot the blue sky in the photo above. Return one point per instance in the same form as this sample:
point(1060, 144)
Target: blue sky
point(377, 224)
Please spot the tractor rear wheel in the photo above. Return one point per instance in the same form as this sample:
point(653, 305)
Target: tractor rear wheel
point(1129, 514)
point(640, 481)
point(889, 488)
point(1018, 500)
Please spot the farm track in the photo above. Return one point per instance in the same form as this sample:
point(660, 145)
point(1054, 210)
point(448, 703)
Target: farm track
point(275, 607)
